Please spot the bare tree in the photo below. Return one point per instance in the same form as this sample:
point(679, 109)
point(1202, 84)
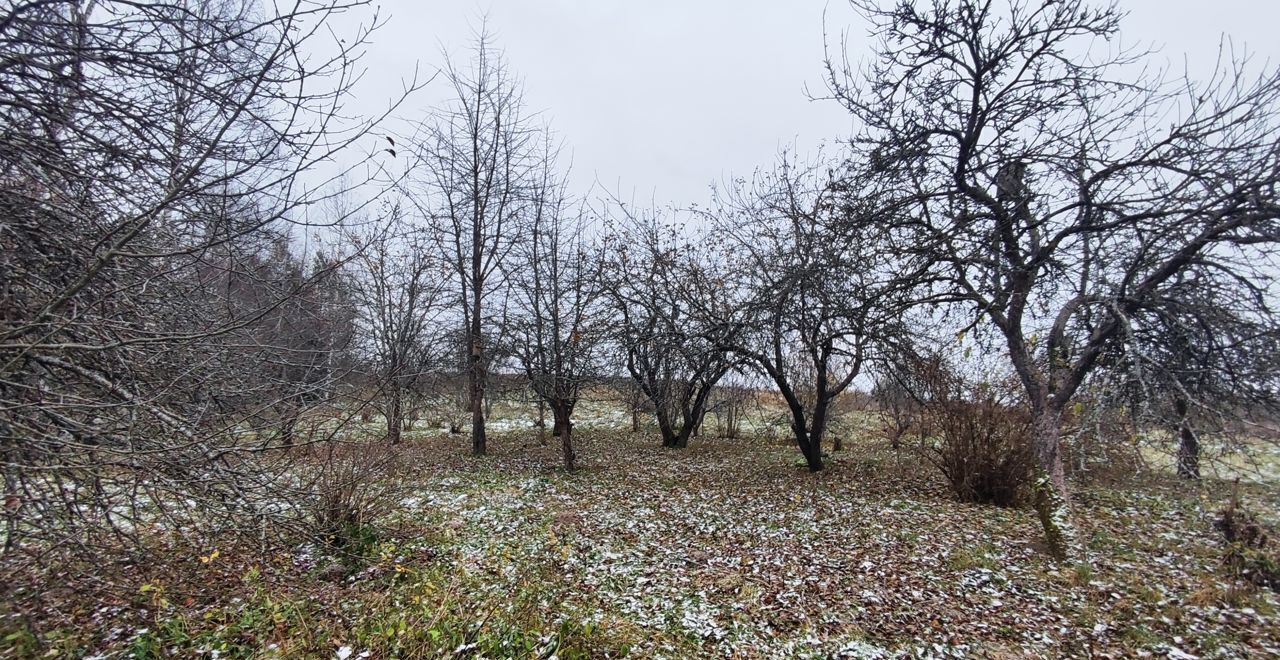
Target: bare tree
point(477, 159)
point(559, 326)
point(631, 395)
point(812, 288)
point(674, 356)
point(398, 290)
point(1059, 193)
point(300, 342)
point(1201, 360)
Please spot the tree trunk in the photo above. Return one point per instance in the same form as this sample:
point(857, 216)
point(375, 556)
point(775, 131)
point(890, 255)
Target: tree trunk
point(810, 443)
point(731, 420)
point(477, 399)
point(812, 451)
point(1188, 443)
point(395, 420)
point(12, 499)
point(564, 429)
point(541, 422)
point(669, 439)
point(682, 438)
point(1052, 500)
point(635, 419)
point(287, 425)
point(819, 430)
point(1188, 453)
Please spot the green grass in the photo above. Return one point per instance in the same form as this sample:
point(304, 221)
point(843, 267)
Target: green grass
point(982, 555)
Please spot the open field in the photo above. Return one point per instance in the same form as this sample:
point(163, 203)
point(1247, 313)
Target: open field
point(726, 549)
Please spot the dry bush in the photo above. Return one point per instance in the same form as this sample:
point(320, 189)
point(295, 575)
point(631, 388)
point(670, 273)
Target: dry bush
point(983, 449)
point(982, 430)
point(343, 490)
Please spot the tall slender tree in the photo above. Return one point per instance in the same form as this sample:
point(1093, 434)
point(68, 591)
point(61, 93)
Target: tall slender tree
point(477, 160)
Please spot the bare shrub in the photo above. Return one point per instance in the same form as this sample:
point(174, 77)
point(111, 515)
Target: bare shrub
point(984, 452)
point(344, 490)
point(159, 333)
point(981, 446)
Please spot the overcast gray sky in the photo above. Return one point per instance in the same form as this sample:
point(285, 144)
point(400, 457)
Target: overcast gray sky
point(658, 98)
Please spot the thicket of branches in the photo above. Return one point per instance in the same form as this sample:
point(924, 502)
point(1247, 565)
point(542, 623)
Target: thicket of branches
point(159, 332)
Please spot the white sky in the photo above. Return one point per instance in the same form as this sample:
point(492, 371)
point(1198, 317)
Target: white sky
point(659, 98)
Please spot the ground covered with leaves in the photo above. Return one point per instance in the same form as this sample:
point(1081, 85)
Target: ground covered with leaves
point(726, 549)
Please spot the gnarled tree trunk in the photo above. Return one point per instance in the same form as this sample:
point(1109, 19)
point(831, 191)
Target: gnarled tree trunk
point(1052, 500)
point(669, 438)
point(564, 430)
point(476, 377)
point(1188, 443)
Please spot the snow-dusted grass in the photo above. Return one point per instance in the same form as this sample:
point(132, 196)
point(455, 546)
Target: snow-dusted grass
point(726, 550)
point(722, 550)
